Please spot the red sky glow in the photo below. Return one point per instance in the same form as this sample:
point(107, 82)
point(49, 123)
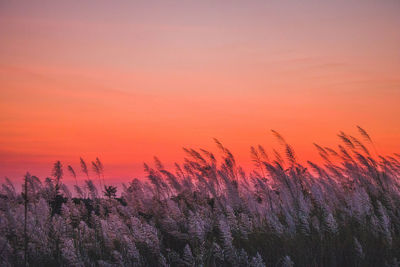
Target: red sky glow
point(130, 80)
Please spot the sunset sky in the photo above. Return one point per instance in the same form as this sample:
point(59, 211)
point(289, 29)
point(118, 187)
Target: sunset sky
point(129, 80)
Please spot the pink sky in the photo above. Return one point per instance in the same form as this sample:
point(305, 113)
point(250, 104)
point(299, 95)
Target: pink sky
point(132, 80)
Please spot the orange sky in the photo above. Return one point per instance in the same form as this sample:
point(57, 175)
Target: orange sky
point(131, 80)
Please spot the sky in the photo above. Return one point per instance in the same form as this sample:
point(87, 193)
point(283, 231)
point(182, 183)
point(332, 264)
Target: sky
point(128, 80)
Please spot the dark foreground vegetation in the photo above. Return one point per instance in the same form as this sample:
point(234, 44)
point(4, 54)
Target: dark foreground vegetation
point(208, 212)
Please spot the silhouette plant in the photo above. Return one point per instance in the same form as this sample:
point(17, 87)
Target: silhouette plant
point(208, 211)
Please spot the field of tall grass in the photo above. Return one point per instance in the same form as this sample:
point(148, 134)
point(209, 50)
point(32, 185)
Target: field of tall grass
point(344, 211)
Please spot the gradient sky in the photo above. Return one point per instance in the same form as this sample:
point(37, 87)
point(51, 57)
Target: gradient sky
point(126, 80)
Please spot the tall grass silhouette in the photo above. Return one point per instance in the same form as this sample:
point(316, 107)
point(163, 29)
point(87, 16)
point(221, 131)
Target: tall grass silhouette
point(209, 212)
